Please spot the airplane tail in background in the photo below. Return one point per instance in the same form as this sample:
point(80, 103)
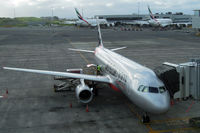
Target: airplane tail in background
point(78, 14)
point(150, 13)
point(80, 17)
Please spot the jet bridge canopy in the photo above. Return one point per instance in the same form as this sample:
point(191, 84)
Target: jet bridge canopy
point(170, 78)
point(182, 80)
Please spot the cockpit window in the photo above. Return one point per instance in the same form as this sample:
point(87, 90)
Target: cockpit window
point(153, 89)
point(145, 89)
point(162, 89)
point(140, 87)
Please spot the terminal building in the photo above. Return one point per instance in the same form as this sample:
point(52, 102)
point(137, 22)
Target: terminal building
point(196, 19)
point(176, 18)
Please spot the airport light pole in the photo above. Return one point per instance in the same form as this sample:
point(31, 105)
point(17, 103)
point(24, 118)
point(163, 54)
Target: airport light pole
point(14, 12)
point(138, 9)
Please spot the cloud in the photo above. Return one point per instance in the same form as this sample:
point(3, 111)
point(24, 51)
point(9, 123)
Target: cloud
point(65, 8)
point(109, 4)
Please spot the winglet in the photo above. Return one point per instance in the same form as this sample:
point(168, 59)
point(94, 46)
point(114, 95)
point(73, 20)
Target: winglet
point(99, 34)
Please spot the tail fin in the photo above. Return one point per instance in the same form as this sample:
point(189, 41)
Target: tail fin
point(150, 13)
point(80, 17)
point(78, 14)
point(99, 34)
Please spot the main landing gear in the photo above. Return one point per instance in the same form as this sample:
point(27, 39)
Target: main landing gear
point(145, 118)
point(95, 89)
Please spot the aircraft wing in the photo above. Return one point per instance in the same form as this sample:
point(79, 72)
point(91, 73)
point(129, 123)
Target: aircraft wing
point(105, 79)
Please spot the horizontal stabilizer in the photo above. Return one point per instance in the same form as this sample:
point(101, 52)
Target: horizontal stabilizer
point(115, 49)
point(105, 79)
point(81, 50)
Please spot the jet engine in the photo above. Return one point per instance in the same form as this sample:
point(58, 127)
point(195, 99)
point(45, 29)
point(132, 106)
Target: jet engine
point(84, 93)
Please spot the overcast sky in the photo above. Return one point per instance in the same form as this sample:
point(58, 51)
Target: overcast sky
point(65, 8)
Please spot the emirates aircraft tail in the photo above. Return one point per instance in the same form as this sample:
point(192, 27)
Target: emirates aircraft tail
point(80, 16)
point(150, 13)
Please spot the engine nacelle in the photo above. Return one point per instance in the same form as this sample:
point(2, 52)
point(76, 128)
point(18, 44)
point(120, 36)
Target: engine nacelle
point(84, 93)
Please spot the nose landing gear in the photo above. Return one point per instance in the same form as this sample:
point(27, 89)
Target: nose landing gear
point(145, 118)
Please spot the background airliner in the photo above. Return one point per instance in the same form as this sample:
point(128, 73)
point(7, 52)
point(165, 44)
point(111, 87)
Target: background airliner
point(89, 22)
point(139, 83)
point(156, 22)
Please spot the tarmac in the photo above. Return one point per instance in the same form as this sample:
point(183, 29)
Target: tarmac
point(32, 106)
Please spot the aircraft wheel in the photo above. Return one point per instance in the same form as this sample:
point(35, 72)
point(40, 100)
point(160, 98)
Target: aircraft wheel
point(145, 119)
point(95, 91)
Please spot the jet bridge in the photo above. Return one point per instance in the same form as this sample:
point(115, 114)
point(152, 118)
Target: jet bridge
point(182, 80)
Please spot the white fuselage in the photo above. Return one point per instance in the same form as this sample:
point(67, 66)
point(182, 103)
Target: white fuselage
point(91, 22)
point(128, 76)
point(138, 22)
point(160, 22)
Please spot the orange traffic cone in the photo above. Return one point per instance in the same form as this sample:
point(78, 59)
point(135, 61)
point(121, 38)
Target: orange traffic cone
point(87, 109)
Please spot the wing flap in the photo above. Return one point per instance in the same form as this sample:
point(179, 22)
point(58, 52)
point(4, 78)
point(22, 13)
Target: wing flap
point(105, 79)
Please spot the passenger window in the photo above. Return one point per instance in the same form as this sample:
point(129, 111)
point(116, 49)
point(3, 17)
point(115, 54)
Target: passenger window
point(145, 89)
point(162, 89)
point(140, 88)
point(153, 89)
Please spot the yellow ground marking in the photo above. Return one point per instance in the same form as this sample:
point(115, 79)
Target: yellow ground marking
point(151, 130)
point(175, 130)
point(168, 120)
point(138, 116)
point(82, 56)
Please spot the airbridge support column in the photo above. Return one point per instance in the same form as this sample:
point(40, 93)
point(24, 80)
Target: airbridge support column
point(197, 79)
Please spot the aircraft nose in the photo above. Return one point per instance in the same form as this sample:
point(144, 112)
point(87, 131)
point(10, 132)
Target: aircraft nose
point(162, 104)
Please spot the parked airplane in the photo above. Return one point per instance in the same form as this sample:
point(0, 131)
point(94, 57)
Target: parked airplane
point(139, 83)
point(156, 22)
point(89, 22)
point(138, 22)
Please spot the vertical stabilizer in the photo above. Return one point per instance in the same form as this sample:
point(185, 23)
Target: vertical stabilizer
point(150, 13)
point(78, 14)
point(80, 17)
point(99, 34)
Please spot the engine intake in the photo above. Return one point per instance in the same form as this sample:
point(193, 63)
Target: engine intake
point(84, 93)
